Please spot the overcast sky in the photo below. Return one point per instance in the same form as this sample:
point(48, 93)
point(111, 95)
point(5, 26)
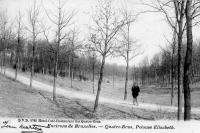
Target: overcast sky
point(149, 30)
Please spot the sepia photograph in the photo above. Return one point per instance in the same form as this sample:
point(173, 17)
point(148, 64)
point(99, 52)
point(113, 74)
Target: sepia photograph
point(99, 66)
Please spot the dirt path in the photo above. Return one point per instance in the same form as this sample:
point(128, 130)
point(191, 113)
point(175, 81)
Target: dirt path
point(90, 97)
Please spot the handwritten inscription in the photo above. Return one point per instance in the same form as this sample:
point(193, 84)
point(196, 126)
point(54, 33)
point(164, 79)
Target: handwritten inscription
point(7, 125)
point(34, 127)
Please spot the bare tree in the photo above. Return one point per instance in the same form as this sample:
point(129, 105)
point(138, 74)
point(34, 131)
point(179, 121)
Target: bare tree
point(188, 62)
point(113, 77)
point(4, 33)
point(93, 39)
point(173, 46)
point(178, 24)
point(60, 19)
point(129, 49)
point(19, 39)
point(179, 11)
point(34, 29)
point(176, 21)
point(74, 45)
point(93, 70)
point(172, 51)
point(107, 25)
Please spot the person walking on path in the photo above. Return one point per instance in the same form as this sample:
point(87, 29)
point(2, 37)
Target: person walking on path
point(135, 93)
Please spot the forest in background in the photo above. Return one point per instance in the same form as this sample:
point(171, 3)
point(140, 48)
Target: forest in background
point(67, 55)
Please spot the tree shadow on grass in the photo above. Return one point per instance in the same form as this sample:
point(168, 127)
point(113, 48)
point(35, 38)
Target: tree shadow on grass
point(85, 108)
point(131, 114)
point(86, 112)
point(58, 104)
point(74, 109)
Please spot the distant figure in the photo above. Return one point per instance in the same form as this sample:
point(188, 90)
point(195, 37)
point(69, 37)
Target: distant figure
point(135, 93)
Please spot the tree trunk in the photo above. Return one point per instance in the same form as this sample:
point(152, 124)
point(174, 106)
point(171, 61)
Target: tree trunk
point(32, 63)
point(20, 63)
point(126, 79)
point(188, 62)
point(127, 63)
point(142, 77)
point(4, 60)
point(72, 60)
point(179, 12)
point(133, 75)
point(172, 78)
point(1, 62)
point(55, 76)
point(99, 84)
point(179, 71)
point(43, 65)
point(17, 57)
point(93, 68)
point(65, 69)
point(69, 67)
point(113, 78)
point(172, 67)
point(16, 69)
point(11, 59)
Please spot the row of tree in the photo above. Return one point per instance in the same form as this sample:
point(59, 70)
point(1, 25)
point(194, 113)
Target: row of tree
point(160, 69)
point(55, 47)
point(181, 16)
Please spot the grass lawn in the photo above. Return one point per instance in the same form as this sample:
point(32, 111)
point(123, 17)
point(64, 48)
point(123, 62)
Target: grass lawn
point(148, 94)
point(18, 100)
